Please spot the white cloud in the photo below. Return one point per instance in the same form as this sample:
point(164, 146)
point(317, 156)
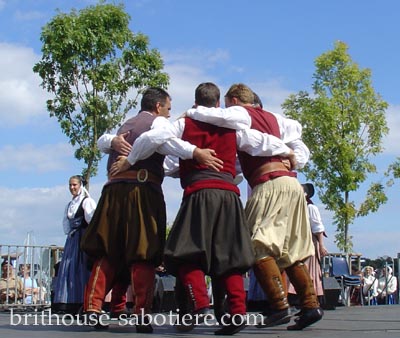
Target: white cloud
point(29, 15)
point(187, 69)
point(392, 141)
point(21, 96)
point(184, 78)
point(377, 243)
point(33, 158)
point(272, 94)
point(201, 58)
point(39, 210)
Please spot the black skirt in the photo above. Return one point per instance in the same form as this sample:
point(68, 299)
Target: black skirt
point(211, 232)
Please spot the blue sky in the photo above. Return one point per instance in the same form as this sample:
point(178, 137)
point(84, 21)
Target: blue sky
point(269, 45)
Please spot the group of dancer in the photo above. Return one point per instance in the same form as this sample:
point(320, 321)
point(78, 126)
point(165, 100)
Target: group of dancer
point(212, 234)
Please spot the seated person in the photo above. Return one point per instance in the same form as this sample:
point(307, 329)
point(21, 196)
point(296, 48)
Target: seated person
point(11, 287)
point(30, 286)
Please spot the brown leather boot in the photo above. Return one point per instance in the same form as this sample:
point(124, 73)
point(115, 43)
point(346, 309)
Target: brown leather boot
point(311, 311)
point(270, 279)
point(143, 279)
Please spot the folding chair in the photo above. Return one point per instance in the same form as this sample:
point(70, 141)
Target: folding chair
point(340, 270)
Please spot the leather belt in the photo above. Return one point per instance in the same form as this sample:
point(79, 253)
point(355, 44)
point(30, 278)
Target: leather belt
point(141, 175)
point(268, 168)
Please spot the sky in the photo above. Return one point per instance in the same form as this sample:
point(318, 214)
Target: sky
point(269, 45)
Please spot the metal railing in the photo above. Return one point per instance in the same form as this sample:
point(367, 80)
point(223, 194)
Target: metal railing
point(27, 273)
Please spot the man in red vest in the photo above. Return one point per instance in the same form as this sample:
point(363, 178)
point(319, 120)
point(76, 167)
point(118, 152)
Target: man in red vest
point(276, 211)
point(210, 234)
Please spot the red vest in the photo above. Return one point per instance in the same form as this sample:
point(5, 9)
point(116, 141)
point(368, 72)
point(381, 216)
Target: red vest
point(195, 176)
point(265, 122)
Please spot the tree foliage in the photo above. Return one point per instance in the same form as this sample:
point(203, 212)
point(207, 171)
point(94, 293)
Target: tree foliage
point(95, 67)
point(343, 125)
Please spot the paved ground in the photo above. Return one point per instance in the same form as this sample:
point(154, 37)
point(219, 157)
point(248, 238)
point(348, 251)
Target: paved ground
point(348, 322)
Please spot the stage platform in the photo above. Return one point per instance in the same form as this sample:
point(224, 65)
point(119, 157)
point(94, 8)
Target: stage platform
point(349, 322)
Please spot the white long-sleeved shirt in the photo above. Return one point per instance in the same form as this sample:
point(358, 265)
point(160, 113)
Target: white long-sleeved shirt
point(370, 286)
point(162, 139)
point(237, 117)
point(149, 142)
point(391, 285)
point(88, 205)
point(315, 219)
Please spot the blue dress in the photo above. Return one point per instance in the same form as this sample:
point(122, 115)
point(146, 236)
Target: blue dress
point(255, 293)
point(73, 272)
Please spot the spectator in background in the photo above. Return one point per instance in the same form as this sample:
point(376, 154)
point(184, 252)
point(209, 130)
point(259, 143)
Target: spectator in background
point(369, 285)
point(30, 286)
point(387, 286)
point(318, 233)
point(11, 287)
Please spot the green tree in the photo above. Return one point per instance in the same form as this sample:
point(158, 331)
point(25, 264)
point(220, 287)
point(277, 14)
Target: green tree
point(91, 61)
point(343, 125)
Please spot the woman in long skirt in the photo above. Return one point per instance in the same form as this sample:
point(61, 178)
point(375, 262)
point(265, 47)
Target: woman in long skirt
point(73, 272)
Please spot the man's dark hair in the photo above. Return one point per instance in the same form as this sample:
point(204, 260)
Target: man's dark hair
point(207, 94)
point(151, 97)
